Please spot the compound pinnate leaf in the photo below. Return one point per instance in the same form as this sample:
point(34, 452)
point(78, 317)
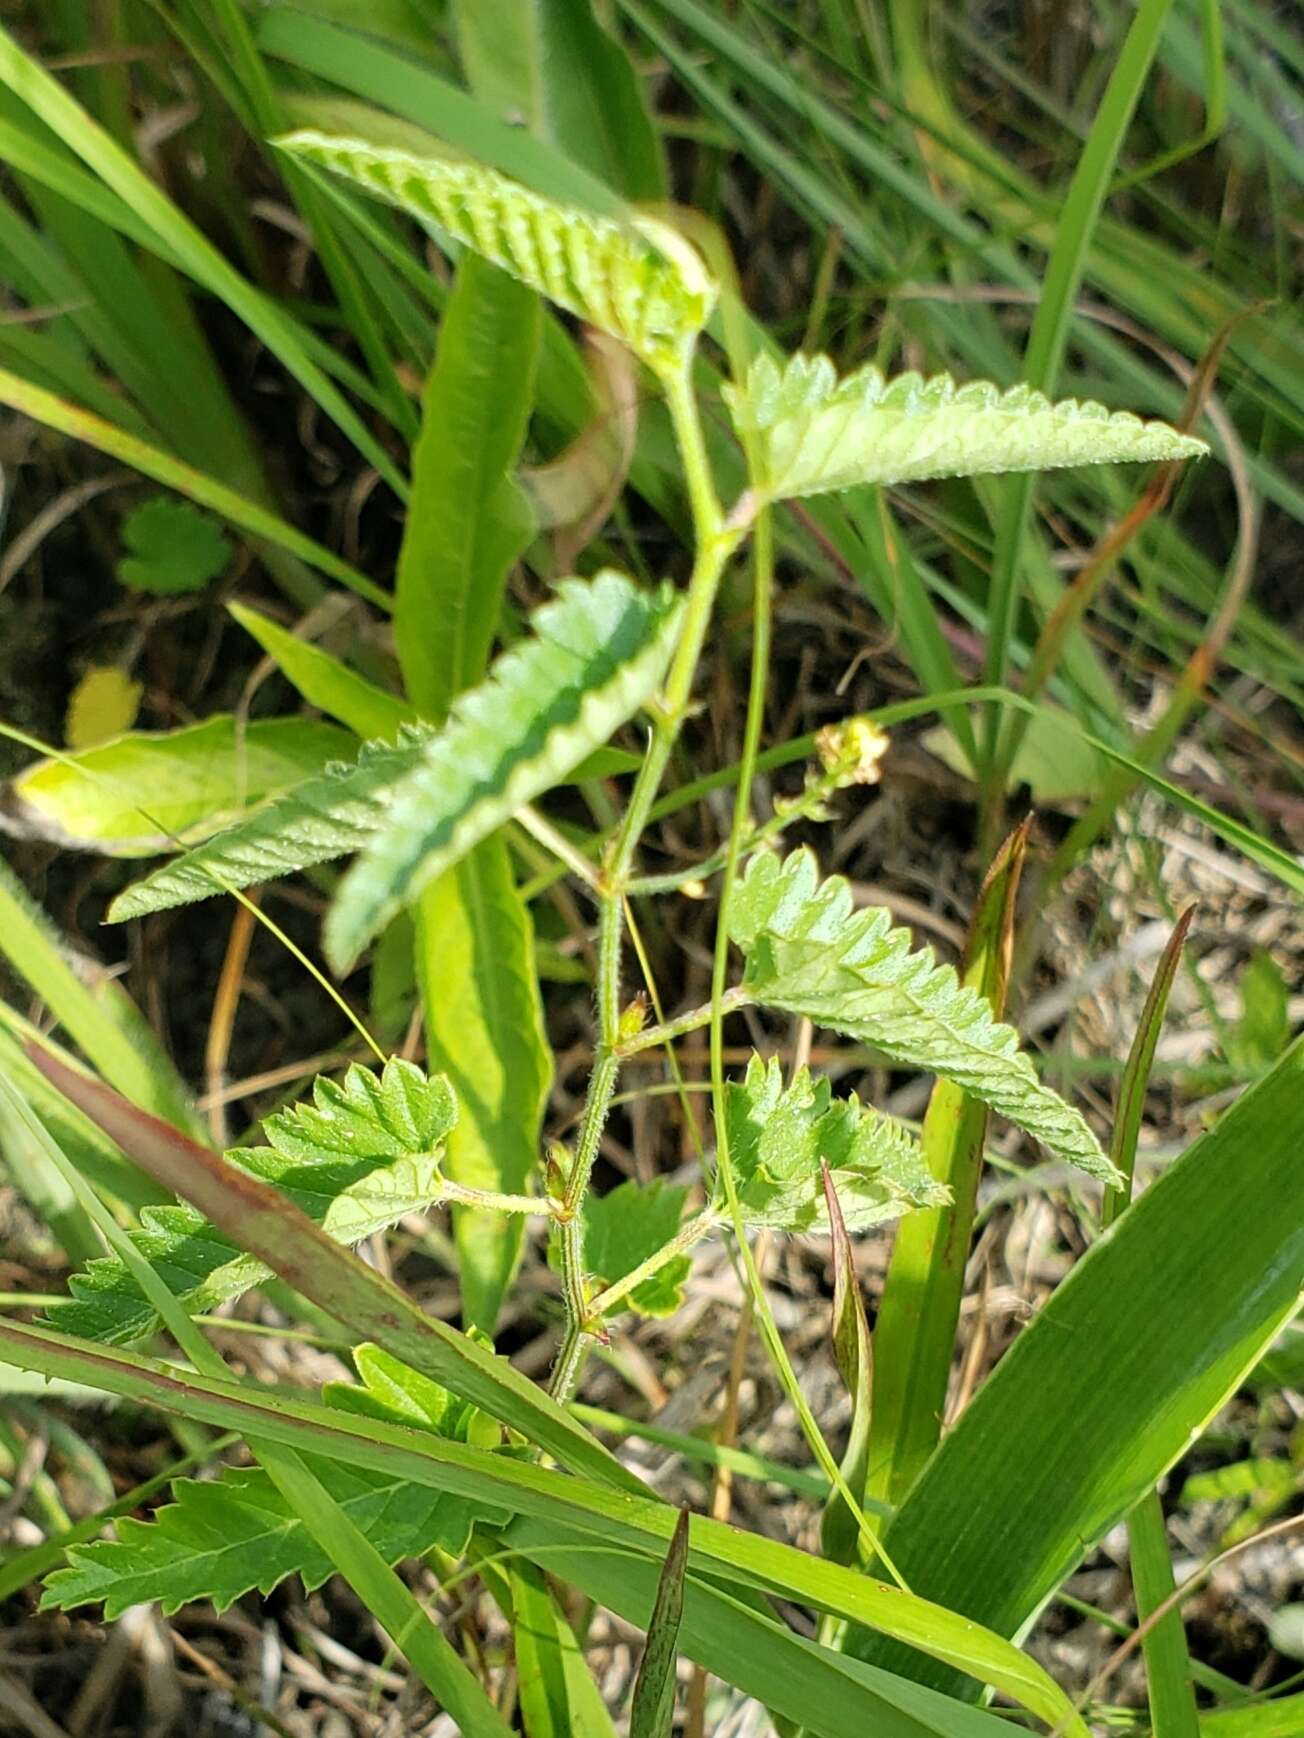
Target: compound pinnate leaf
point(637, 279)
point(597, 653)
point(174, 548)
point(322, 817)
point(363, 1154)
point(809, 951)
point(778, 1136)
point(237, 1534)
point(816, 433)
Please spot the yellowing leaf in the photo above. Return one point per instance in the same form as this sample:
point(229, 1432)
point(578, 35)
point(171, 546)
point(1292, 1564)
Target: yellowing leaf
point(103, 704)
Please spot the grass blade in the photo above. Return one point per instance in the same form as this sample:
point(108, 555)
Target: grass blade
point(1164, 1316)
point(652, 1708)
point(83, 135)
point(925, 1280)
point(1048, 338)
point(626, 1531)
point(1168, 1665)
point(265, 1225)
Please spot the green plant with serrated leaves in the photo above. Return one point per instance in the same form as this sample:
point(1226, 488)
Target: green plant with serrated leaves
point(364, 1152)
point(447, 806)
point(229, 1536)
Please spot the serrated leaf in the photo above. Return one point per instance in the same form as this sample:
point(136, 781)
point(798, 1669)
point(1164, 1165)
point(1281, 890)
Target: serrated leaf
point(637, 279)
point(816, 433)
point(363, 1154)
point(809, 951)
point(322, 817)
point(174, 548)
point(223, 1538)
point(103, 704)
point(778, 1135)
point(141, 793)
point(598, 651)
point(622, 1229)
point(235, 1535)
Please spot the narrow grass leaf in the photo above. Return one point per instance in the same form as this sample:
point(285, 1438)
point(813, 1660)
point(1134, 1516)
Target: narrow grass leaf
point(141, 455)
point(102, 153)
point(86, 1012)
point(1078, 218)
point(627, 1530)
point(273, 1230)
point(920, 1306)
point(1163, 1646)
point(326, 681)
point(652, 1707)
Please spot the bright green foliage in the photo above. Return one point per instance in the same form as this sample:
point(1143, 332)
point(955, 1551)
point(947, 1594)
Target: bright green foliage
point(230, 1536)
point(778, 1136)
point(363, 1154)
point(174, 547)
point(638, 279)
point(623, 1228)
point(393, 1390)
point(144, 792)
point(326, 681)
point(323, 817)
point(809, 951)
point(598, 651)
point(817, 433)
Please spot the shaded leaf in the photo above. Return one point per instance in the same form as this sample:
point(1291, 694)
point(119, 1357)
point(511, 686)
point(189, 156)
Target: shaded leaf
point(809, 951)
point(622, 1229)
point(853, 1355)
point(174, 548)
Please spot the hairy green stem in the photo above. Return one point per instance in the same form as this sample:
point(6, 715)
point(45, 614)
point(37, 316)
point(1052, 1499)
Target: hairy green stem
point(690, 1233)
point(691, 1021)
point(714, 545)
